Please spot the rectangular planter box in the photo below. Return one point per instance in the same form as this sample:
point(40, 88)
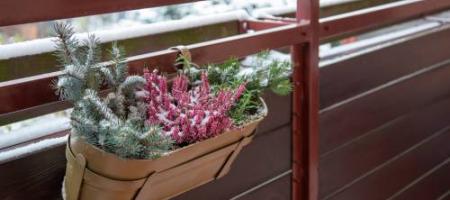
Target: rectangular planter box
point(92, 173)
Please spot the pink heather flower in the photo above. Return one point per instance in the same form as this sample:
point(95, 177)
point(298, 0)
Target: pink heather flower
point(189, 115)
point(239, 91)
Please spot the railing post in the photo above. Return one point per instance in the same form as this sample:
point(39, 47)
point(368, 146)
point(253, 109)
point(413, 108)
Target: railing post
point(305, 58)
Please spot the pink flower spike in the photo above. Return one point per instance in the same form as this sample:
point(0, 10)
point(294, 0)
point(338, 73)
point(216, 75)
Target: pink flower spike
point(189, 115)
point(240, 91)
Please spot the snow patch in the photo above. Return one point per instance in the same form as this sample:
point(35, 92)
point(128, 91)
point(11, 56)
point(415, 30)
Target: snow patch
point(30, 149)
point(273, 55)
point(273, 11)
point(329, 3)
point(39, 129)
point(246, 72)
point(46, 45)
point(205, 120)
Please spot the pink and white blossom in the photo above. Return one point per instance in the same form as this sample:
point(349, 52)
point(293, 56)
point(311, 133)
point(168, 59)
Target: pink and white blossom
point(189, 114)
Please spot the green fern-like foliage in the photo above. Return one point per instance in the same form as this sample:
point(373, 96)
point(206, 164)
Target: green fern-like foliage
point(263, 74)
point(115, 123)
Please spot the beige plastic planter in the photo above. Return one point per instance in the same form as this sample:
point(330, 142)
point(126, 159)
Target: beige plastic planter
point(92, 173)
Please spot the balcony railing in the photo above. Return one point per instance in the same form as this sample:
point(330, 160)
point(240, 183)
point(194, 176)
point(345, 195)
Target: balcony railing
point(28, 95)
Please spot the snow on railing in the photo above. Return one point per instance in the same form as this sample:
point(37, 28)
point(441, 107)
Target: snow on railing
point(385, 37)
point(273, 11)
point(290, 9)
point(329, 3)
point(40, 127)
point(332, 54)
point(46, 45)
point(31, 148)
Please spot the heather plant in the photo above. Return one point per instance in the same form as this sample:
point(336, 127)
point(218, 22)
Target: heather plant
point(189, 113)
point(115, 123)
point(264, 74)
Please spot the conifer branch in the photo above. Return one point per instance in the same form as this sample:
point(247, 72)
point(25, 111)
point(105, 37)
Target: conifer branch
point(117, 122)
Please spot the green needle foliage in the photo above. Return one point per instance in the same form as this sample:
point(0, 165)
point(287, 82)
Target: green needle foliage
point(263, 74)
point(115, 123)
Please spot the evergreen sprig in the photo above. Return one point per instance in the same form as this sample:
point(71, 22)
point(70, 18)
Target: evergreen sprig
point(115, 123)
point(264, 73)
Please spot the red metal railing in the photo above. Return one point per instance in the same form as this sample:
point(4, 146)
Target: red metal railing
point(33, 94)
point(17, 102)
point(362, 20)
point(305, 114)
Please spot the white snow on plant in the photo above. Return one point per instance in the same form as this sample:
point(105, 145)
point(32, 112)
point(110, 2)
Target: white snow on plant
point(252, 63)
point(273, 55)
